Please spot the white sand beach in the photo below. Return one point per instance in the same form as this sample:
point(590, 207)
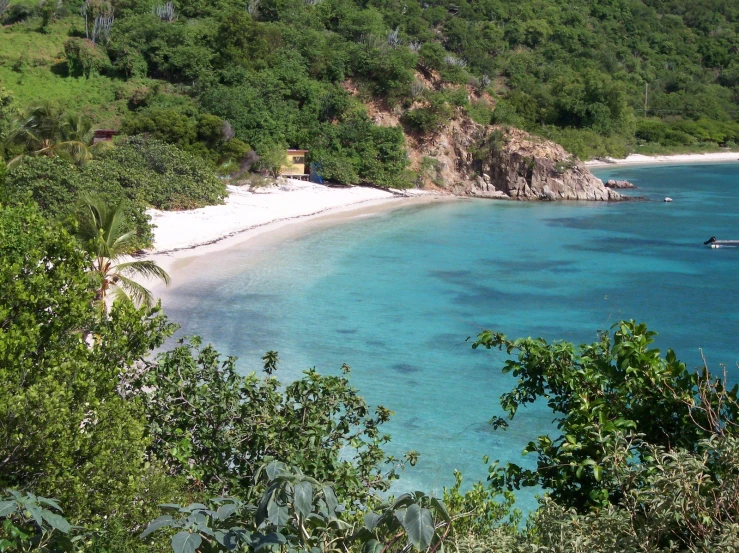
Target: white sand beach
point(638, 159)
point(182, 236)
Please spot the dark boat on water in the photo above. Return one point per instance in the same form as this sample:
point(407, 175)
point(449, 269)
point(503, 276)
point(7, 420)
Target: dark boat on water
point(713, 243)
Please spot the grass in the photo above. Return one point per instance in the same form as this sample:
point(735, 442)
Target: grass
point(33, 68)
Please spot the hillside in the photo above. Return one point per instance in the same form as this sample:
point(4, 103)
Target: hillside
point(315, 73)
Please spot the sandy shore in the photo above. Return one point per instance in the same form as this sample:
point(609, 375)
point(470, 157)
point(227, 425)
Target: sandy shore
point(272, 213)
point(638, 159)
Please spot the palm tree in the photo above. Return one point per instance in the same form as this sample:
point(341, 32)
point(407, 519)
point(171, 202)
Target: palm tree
point(47, 130)
point(102, 231)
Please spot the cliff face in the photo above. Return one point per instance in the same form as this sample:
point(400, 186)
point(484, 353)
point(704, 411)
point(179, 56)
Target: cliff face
point(469, 159)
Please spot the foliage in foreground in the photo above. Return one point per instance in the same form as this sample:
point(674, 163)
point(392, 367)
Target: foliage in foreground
point(298, 513)
point(600, 392)
point(647, 460)
point(32, 523)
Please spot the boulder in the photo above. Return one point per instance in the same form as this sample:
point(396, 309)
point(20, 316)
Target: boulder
point(613, 183)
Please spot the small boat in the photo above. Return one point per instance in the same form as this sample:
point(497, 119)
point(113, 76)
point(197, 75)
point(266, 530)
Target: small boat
point(713, 243)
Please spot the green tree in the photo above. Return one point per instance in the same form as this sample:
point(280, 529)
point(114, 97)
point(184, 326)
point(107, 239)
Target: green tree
point(45, 129)
point(103, 232)
point(598, 393)
point(67, 429)
point(216, 427)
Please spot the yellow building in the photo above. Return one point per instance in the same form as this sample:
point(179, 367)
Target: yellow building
point(295, 165)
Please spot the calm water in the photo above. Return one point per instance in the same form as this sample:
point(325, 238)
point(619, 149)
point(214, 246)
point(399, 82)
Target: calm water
point(396, 295)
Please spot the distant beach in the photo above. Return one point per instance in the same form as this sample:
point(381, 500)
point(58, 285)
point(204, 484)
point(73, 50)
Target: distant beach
point(639, 159)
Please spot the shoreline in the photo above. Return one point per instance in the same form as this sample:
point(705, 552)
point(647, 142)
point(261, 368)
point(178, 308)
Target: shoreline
point(259, 220)
point(676, 159)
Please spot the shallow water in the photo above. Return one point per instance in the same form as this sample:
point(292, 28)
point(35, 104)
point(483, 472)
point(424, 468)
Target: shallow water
point(396, 295)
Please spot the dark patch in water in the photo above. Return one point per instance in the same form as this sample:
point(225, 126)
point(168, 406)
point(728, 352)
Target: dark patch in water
point(405, 368)
point(461, 276)
point(621, 244)
point(571, 222)
point(555, 266)
point(347, 331)
point(413, 423)
point(375, 343)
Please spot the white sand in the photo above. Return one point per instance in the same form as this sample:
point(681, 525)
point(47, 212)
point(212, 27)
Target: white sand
point(246, 209)
point(182, 236)
point(638, 159)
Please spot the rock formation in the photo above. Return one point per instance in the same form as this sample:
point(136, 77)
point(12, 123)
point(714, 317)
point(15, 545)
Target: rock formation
point(495, 162)
point(617, 184)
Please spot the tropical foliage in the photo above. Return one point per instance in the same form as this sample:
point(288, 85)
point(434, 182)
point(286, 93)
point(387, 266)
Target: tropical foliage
point(646, 457)
point(598, 77)
point(32, 523)
point(136, 174)
point(46, 130)
point(103, 232)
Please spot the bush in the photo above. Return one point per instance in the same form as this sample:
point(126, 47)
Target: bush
point(157, 174)
point(431, 118)
point(85, 58)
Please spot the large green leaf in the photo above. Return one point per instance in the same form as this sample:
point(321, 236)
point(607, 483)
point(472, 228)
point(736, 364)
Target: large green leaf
point(57, 522)
point(35, 511)
point(440, 509)
point(372, 546)
point(185, 542)
point(225, 511)
point(156, 524)
point(303, 498)
point(269, 541)
point(418, 524)
point(371, 520)
point(7, 508)
point(49, 502)
point(331, 501)
point(277, 514)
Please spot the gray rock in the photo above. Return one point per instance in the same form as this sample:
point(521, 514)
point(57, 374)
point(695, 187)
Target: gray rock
point(613, 183)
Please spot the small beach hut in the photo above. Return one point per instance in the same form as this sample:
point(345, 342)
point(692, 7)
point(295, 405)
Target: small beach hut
point(295, 166)
point(103, 135)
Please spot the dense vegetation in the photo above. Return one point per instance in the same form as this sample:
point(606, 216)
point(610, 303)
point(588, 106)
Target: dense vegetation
point(220, 78)
point(177, 450)
point(131, 447)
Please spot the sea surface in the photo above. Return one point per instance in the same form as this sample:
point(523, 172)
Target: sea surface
point(398, 295)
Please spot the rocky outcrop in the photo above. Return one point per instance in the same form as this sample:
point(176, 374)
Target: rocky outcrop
point(496, 162)
point(618, 184)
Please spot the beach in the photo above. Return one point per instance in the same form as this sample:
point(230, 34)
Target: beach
point(182, 236)
point(639, 159)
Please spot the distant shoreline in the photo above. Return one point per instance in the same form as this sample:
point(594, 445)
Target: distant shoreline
point(639, 159)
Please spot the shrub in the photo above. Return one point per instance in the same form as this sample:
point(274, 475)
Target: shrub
point(85, 58)
point(158, 174)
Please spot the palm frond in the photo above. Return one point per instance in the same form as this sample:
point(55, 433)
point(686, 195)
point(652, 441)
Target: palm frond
point(91, 221)
point(134, 291)
point(118, 237)
point(17, 160)
point(100, 148)
point(76, 149)
point(146, 268)
point(75, 127)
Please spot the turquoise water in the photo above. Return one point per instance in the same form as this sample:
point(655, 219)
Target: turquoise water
point(396, 295)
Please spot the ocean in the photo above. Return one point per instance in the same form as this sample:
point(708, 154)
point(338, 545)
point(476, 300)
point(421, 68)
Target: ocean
point(400, 295)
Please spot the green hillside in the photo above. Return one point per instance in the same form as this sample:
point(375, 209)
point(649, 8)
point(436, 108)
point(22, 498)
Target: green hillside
point(278, 71)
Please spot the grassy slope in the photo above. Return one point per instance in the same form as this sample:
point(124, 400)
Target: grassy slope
point(33, 68)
